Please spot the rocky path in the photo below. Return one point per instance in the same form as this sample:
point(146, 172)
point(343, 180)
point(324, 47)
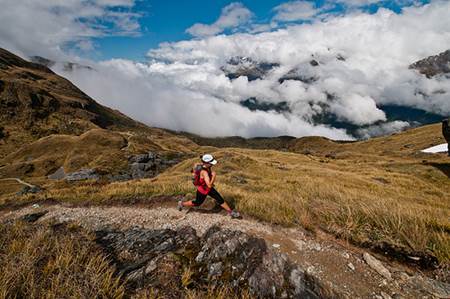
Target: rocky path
point(347, 270)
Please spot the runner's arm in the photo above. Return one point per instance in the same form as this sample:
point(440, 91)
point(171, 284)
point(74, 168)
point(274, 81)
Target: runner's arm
point(205, 176)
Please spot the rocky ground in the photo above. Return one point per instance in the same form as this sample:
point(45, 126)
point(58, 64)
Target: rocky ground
point(152, 245)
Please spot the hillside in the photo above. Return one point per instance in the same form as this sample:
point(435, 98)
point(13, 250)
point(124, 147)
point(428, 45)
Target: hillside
point(382, 193)
point(407, 142)
point(46, 122)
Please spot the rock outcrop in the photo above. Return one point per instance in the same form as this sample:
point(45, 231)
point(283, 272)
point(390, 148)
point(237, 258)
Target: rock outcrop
point(247, 67)
point(82, 174)
point(139, 166)
point(170, 260)
point(145, 166)
point(434, 65)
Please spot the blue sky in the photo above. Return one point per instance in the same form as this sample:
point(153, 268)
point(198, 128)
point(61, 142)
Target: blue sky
point(167, 21)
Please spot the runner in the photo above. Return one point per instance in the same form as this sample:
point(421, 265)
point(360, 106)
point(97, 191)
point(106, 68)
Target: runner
point(204, 178)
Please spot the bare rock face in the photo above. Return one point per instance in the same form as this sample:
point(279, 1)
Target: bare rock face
point(147, 165)
point(83, 174)
point(247, 67)
point(434, 65)
point(169, 261)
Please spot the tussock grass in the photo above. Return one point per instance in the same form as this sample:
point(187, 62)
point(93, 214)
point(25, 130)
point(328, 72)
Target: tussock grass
point(375, 192)
point(59, 262)
point(209, 292)
point(404, 203)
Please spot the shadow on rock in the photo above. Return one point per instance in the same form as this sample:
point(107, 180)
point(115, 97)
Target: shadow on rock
point(169, 261)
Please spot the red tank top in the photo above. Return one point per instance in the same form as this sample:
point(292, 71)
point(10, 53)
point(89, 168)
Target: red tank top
point(203, 188)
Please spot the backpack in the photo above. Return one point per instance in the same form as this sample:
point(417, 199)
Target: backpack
point(196, 172)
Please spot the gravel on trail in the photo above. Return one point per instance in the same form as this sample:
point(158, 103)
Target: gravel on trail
point(322, 256)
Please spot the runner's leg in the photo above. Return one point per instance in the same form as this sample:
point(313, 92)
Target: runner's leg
point(219, 199)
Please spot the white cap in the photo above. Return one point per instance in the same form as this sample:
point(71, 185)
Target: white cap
point(207, 158)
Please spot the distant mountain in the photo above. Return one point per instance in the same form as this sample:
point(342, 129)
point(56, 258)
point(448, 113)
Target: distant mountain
point(304, 73)
point(67, 66)
point(434, 65)
point(309, 73)
point(244, 66)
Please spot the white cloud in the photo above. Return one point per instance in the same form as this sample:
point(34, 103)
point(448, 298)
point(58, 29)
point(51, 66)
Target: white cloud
point(184, 88)
point(42, 27)
point(382, 129)
point(295, 11)
point(233, 15)
point(142, 92)
point(377, 48)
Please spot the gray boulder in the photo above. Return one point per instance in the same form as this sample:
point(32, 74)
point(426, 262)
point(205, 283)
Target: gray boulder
point(221, 257)
point(83, 174)
point(58, 174)
point(29, 189)
point(149, 165)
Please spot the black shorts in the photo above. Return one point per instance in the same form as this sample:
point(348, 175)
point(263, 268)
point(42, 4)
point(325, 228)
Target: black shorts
point(200, 198)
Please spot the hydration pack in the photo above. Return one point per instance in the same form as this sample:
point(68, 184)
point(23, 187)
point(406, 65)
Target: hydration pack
point(196, 172)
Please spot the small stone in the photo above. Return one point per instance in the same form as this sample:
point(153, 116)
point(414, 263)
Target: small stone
point(276, 245)
point(310, 270)
point(377, 265)
point(215, 269)
point(403, 276)
point(346, 255)
point(317, 247)
point(350, 265)
point(35, 206)
point(385, 296)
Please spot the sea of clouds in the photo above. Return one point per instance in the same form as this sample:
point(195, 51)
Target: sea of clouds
point(182, 86)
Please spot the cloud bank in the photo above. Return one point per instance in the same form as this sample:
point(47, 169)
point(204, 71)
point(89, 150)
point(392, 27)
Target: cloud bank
point(360, 63)
point(45, 28)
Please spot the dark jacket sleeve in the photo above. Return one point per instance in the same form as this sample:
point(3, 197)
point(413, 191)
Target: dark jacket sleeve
point(446, 130)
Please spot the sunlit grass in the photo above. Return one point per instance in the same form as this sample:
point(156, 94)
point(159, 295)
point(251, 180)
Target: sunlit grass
point(361, 202)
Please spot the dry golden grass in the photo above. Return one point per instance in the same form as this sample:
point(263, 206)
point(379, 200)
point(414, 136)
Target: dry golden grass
point(398, 197)
point(404, 204)
point(63, 261)
point(46, 262)
point(104, 150)
point(10, 186)
point(208, 293)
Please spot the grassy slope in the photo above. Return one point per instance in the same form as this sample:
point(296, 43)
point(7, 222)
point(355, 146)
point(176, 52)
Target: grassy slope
point(54, 262)
point(64, 261)
point(399, 198)
point(104, 150)
point(49, 123)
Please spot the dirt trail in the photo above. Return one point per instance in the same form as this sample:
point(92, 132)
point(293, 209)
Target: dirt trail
point(19, 181)
point(336, 264)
